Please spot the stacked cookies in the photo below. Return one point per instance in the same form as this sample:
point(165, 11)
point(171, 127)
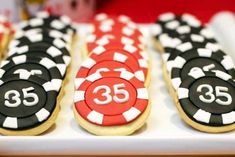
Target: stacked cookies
point(32, 75)
point(199, 75)
point(110, 86)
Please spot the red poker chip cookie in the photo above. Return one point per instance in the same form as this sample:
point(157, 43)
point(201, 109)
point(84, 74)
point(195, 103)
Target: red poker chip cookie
point(120, 19)
point(111, 60)
point(117, 31)
point(111, 98)
point(106, 23)
point(94, 40)
point(115, 26)
point(140, 57)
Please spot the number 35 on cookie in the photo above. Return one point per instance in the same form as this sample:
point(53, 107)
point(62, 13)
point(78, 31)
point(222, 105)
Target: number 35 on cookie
point(120, 94)
point(13, 97)
point(209, 96)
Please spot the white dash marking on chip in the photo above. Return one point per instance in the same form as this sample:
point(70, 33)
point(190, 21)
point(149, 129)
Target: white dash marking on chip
point(202, 116)
point(98, 50)
point(95, 117)
point(47, 63)
point(227, 62)
point(119, 57)
point(204, 52)
point(19, 59)
point(78, 82)
point(142, 93)
point(10, 122)
point(131, 114)
point(126, 75)
point(79, 95)
point(182, 93)
point(228, 118)
point(42, 114)
point(88, 63)
point(176, 82)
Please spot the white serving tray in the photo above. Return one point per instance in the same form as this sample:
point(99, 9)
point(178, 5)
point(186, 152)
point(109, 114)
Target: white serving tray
point(163, 133)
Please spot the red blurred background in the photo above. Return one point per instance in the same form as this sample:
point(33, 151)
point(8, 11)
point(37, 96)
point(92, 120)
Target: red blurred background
point(142, 11)
point(145, 11)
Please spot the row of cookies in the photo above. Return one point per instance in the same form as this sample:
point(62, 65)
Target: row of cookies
point(198, 73)
point(110, 96)
point(33, 74)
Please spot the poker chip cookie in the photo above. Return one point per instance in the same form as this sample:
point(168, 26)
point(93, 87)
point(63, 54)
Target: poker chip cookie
point(93, 41)
point(185, 18)
point(28, 105)
point(44, 50)
point(206, 101)
point(111, 103)
point(168, 58)
point(187, 44)
point(63, 24)
point(55, 21)
point(111, 60)
point(50, 23)
point(128, 52)
point(45, 32)
point(54, 25)
point(24, 65)
point(176, 26)
point(41, 38)
point(118, 24)
point(108, 29)
point(116, 66)
point(179, 27)
point(203, 59)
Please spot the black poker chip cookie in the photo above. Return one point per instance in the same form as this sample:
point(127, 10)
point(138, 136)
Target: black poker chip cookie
point(181, 26)
point(45, 31)
point(184, 19)
point(25, 65)
point(208, 98)
point(178, 25)
point(49, 18)
point(191, 42)
point(202, 59)
point(49, 23)
point(25, 102)
point(43, 50)
point(41, 38)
